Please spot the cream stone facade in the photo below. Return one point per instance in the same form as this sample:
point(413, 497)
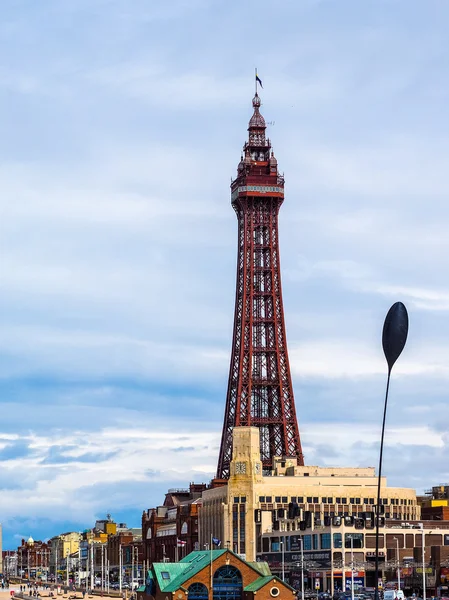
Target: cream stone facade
point(253, 503)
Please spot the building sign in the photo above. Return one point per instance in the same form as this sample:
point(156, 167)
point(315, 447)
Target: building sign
point(420, 570)
point(373, 554)
point(320, 558)
point(359, 582)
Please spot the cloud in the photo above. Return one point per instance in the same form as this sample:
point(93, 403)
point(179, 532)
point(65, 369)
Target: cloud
point(118, 241)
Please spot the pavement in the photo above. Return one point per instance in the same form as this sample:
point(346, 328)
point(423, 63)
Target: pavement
point(6, 594)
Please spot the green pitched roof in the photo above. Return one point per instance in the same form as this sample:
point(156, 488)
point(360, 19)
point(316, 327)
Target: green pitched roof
point(173, 570)
point(258, 583)
point(193, 563)
point(178, 573)
point(262, 567)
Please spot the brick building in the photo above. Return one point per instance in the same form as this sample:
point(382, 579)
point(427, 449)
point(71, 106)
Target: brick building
point(125, 548)
point(228, 575)
point(435, 504)
point(170, 531)
point(33, 558)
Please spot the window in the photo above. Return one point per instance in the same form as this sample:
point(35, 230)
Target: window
point(337, 540)
point(294, 499)
point(330, 500)
point(243, 499)
point(344, 500)
point(269, 499)
point(357, 540)
point(309, 499)
point(315, 499)
point(307, 542)
point(236, 499)
point(275, 546)
point(351, 501)
point(198, 591)
point(284, 499)
point(306, 474)
point(277, 498)
point(242, 528)
point(227, 583)
point(300, 499)
point(338, 500)
point(325, 541)
point(315, 541)
point(165, 575)
point(262, 499)
point(365, 500)
point(371, 500)
point(357, 500)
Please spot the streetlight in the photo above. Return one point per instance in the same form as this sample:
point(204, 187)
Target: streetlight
point(397, 558)
point(301, 539)
point(394, 336)
point(423, 561)
point(283, 557)
point(352, 566)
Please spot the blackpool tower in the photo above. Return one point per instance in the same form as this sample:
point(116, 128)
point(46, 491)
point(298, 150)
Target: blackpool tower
point(260, 392)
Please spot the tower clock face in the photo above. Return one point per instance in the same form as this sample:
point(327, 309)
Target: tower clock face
point(240, 468)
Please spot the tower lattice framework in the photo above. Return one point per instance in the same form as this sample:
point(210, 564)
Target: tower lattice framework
point(260, 391)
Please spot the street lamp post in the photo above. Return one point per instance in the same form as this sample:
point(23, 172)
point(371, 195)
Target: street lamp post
point(352, 567)
point(283, 558)
point(120, 560)
point(394, 336)
point(423, 562)
point(397, 558)
point(302, 567)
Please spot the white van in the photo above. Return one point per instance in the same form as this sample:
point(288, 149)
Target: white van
point(394, 595)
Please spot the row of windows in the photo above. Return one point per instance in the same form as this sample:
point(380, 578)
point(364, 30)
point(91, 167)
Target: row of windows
point(239, 499)
point(330, 500)
point(259, 188)
point(321, 541)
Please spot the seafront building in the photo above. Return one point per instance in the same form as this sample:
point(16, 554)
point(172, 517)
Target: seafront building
point(324, 515)
point(251, 503)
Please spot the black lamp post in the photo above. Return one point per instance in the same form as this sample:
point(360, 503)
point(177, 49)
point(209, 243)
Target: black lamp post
point(394, 336)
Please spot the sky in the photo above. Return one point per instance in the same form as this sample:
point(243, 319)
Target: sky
point(122, 127)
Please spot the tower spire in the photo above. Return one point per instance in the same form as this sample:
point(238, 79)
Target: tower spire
point(260, 391)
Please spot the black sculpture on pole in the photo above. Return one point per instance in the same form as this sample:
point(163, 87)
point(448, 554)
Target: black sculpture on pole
point(394, 336)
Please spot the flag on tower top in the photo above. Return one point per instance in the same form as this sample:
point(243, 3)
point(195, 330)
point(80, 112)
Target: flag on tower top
point(259, 80)
point(216, 542)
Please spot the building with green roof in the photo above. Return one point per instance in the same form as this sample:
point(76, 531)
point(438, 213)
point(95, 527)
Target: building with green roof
point(213, 575)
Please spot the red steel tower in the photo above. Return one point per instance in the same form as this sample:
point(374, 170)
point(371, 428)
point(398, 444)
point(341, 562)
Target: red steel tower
point(260, 391)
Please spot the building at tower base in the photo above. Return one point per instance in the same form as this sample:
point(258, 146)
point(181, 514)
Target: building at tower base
point(252, 508)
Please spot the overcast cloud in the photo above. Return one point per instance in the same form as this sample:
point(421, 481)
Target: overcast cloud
point(122, 125)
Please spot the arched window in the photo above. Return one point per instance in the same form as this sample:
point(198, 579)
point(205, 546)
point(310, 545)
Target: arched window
point(228, 583)
point(197, 591)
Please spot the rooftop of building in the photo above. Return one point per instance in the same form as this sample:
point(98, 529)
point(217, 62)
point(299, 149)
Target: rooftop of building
point(171, 576)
